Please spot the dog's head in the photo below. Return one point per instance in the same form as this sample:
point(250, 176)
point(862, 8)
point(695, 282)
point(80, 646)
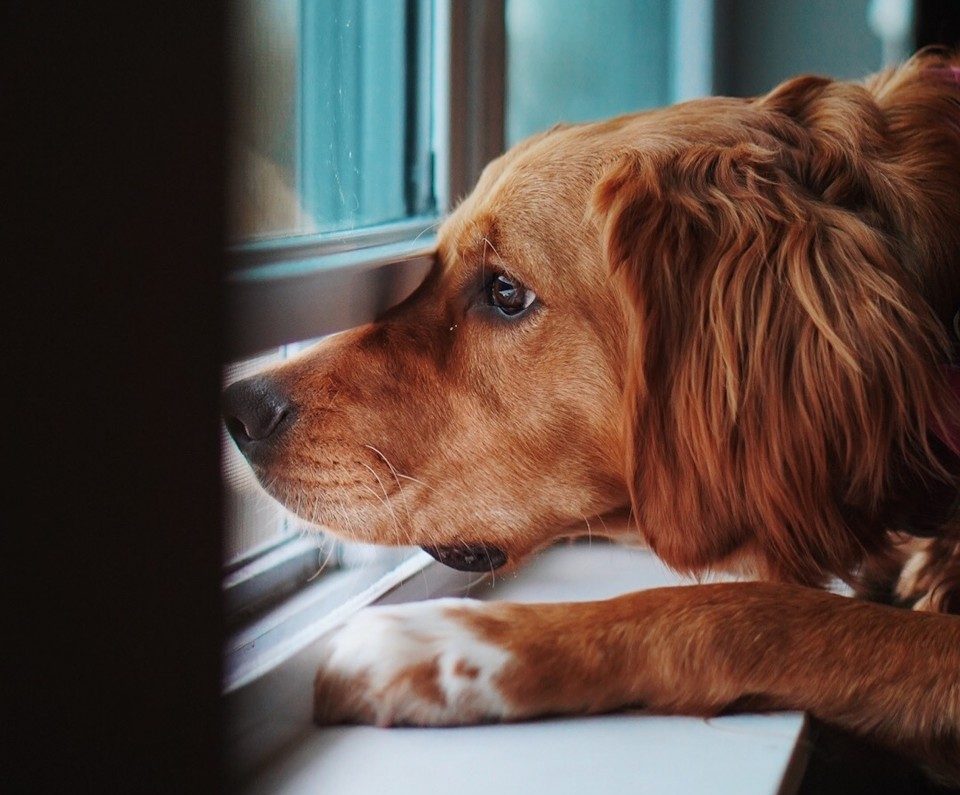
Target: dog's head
point(712, 313)
point(480, 417)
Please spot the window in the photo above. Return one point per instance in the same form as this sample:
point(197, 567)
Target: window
point(573, 61)
point(332, 180)
point(342, 159)
point(355, 125)
point(331, 116)
point(358, 123)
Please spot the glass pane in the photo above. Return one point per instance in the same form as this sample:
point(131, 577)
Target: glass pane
point(760, 44)
point(330, 115)
point(577, 61)
point(574, 61)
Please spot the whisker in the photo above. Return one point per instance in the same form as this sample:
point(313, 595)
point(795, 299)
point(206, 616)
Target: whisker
point(473, 583)
point(486, 241)
point(384, 503)
point(399, 487)
point(483, 259)
point(493, 571)
point(606, 530)
point(426, 229)
point(332, 399)
point(396, 524)
point(323, 565)
point(415, 480)
point(371, 490)
point(426, 581)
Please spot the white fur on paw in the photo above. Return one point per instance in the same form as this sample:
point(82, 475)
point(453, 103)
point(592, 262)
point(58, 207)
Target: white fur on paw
point(411, 664)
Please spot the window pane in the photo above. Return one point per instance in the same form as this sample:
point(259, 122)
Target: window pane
point(761, 44)
point(574, 61)
point(264, 152)
point(578, 61)
point(331, 115)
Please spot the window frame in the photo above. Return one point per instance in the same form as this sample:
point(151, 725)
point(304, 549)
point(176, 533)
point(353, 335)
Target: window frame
point(282, 290)
point(278, 291)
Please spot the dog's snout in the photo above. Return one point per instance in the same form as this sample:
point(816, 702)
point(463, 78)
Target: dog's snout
point(256, 411)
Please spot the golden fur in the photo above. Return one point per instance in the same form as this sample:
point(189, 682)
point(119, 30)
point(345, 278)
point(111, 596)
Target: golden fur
point(740, 336)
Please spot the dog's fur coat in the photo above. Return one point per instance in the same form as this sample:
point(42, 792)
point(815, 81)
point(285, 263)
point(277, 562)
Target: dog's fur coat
point(740, 333)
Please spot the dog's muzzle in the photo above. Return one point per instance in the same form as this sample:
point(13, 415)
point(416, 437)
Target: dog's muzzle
point(469, 557)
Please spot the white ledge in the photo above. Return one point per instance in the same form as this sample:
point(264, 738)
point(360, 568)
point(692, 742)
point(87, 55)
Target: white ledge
point(275, 748)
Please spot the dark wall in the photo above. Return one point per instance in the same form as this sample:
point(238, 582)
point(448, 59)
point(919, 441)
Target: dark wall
point(113, 139)
point(938, 22)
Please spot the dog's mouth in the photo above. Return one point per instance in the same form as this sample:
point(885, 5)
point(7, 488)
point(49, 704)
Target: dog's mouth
point(469, 557)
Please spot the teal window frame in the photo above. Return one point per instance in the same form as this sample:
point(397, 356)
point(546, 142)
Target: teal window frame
point(282, 290)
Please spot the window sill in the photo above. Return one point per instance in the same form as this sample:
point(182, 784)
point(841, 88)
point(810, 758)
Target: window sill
point(285, 629)
point(274, 746)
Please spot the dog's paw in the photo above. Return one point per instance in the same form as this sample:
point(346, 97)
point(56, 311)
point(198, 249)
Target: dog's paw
point(416, 664)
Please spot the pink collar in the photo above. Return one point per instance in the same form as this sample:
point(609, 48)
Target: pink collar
point(947, 73)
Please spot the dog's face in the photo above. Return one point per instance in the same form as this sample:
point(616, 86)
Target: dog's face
point(482, 416)
point(719, 314)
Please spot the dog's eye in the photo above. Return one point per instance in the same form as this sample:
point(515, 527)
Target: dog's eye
point(509, 296)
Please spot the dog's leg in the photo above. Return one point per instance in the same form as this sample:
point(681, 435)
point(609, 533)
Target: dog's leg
point(892, 675)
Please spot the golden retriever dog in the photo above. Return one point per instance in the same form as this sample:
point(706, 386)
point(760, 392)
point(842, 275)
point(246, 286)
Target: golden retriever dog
point(730, 318)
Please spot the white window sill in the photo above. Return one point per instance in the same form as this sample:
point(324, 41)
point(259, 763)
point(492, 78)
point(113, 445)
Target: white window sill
point(314, 610)
point(274, 747)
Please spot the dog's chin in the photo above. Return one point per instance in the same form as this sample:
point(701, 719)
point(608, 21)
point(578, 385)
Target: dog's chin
point(468, 557)
point(464, 556)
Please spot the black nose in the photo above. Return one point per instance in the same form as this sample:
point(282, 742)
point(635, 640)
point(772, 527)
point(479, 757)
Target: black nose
point(256, 412)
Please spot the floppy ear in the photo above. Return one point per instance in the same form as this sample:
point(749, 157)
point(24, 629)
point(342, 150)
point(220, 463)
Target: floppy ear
point(781, 372)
